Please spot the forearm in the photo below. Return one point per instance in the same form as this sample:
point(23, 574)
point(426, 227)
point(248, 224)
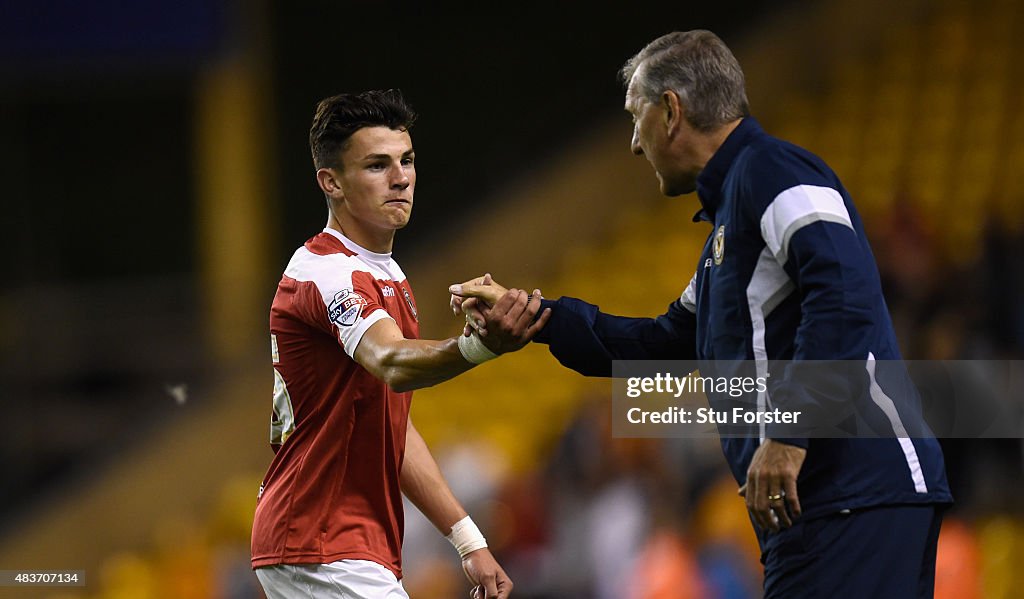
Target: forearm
point(410, 364)
point(425, 486)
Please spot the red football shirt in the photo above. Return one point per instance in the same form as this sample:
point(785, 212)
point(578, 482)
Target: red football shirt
point(332, 490)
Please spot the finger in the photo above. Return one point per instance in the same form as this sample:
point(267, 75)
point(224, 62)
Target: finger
point(504, 585)
point(530, 310)
point(503, 306)
point(779, 508)
point(764, 505)
point(475, 316)
point(515, 308)
point(763, 508)
point(490, 585)
point(487, 280)
point(754, 502)
point(489, 293)
point(781, 519)
point(456, 302)
point(519, 320)
point(792, 498)
point(477, 592)
point(474, 322)
point(538, 324)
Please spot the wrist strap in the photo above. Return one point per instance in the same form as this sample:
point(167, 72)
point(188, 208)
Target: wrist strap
point(474, 350)
point(466, 537)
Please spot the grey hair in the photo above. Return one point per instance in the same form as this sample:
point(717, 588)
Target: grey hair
point(699, 67)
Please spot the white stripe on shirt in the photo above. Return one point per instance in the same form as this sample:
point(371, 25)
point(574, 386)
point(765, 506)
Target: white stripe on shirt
point(796, 208)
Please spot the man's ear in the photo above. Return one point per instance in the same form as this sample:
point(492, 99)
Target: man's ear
point(673, 112)
point(327, 179)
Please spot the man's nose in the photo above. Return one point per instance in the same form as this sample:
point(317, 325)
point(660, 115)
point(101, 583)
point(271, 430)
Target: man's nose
point(634, 144)
point(399, 179)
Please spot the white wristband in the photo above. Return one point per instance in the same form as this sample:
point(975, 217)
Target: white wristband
point(466, 537)
point(474, 350)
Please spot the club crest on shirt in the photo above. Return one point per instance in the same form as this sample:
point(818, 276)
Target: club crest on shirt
point(345, 308)
point(412, 306)
point(718, 247)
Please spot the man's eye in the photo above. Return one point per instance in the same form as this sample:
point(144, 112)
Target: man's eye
point(376, 167)
point(408, 161)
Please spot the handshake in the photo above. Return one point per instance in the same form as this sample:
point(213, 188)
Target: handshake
point(503, 320)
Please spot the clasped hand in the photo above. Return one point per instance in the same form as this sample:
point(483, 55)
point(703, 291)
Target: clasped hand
point(505, 319)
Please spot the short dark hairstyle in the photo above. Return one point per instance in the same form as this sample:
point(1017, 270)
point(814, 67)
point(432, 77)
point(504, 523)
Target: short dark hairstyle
point(338, 117)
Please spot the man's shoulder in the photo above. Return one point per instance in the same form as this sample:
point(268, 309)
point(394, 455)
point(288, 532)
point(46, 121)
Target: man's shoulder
point(770, 165)
point(773, 151)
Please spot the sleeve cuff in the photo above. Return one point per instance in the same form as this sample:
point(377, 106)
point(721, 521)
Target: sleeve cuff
point(544, 335)
point(350, 342)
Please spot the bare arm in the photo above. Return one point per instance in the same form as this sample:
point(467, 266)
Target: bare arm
point(425, 486)
point(407, 364)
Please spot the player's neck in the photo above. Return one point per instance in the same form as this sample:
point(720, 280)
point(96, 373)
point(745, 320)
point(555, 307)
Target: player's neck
point(377, 241)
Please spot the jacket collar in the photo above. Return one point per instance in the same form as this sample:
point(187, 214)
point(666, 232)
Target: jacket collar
point(712, 177)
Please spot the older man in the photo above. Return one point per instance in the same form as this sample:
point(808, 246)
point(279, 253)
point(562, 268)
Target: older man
point(786, 274)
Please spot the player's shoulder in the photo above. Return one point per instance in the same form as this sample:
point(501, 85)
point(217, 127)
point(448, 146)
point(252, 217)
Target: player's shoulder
point(327, 265)
point(332, 267)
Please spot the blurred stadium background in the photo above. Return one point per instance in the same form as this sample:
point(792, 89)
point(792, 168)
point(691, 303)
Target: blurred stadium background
point(156, 178)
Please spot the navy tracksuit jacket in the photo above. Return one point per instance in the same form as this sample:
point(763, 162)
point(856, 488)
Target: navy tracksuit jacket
point(786, 274)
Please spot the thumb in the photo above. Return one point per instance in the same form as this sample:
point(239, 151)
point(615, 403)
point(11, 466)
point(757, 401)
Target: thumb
point(488, 293)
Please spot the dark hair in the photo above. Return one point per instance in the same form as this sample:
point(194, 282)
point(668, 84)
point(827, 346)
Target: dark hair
point(338, 117)
point(699, 67)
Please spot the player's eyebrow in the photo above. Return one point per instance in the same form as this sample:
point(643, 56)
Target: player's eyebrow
point(405, 154)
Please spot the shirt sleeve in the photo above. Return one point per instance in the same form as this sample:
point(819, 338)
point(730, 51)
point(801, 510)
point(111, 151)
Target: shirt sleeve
point(586, 340)
point(809, 230)
point(352, 309)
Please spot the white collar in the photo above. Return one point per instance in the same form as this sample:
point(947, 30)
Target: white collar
point(355, 247)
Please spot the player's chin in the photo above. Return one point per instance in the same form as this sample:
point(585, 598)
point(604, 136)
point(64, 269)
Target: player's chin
point(400, 218)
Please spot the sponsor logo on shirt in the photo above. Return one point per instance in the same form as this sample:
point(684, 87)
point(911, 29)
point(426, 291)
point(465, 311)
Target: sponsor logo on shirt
point(346, 308)
point(389, 291)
